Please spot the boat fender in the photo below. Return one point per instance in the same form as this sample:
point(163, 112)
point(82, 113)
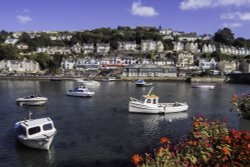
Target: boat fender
point(164, 107)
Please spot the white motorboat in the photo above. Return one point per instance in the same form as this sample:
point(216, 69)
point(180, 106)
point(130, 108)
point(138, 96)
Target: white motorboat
point(36, 133)
point(205, 86)
point(32, 100)
point(150, 104)
point(142, 83)
point(109, 79)
point(87, 82)
point(80, 91)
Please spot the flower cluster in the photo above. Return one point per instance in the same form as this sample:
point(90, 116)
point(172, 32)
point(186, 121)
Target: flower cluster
point(209, 144)
point(242, 104)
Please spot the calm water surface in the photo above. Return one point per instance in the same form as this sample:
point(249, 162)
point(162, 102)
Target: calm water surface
point(99, 131)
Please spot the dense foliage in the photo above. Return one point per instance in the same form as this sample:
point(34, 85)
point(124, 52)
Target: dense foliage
point(242, 104)
point(209, 144)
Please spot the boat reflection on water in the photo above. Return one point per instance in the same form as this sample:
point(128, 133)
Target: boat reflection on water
point(151, 122)
point(39, 157)
point(244, 124)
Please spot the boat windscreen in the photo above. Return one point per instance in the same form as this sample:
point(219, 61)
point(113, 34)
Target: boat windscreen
point(47, 127)
point(20, 130)
point(34, 130)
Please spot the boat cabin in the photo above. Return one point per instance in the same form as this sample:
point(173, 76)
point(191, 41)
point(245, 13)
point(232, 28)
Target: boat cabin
point(150, 99)
point(33, 128)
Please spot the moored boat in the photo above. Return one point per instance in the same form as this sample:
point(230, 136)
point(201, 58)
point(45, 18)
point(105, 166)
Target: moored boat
point(36, 133)
point(87, 82)
point(80, 91)
point(109, 79)
point(150, 104)
point(34, 100)
point(205, 86)
point(142, 83)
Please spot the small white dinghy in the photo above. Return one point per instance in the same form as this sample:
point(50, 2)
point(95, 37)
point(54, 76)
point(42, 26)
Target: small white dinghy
point(35, 133)
point(150, 104)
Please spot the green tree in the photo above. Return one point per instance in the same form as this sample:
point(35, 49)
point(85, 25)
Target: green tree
point(8, 52)
point(43, 60)
point(3, 35)
point(224, 36)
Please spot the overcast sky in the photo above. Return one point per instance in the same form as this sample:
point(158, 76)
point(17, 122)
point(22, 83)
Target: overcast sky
point(201, 16)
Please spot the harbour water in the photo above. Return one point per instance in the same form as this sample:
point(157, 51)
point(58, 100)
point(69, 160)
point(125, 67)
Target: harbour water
point(99, 131)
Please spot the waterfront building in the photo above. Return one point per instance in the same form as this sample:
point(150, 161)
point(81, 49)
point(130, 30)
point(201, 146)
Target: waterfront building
point(87, 64)
point(68, 64)
point(244, 67)
point(206, 63)
point(227, 66)
point(148, 70)
point(20, 66)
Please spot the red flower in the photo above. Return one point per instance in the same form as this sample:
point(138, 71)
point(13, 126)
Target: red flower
point(225, 151)
point(136, 159)
point(164, 140)
point(228, 139)
point(234, 98)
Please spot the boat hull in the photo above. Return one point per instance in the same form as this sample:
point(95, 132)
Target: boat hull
point(32, 103)
point(137, 107)
point(204, 86)
point(89, 94)
point(38, 143)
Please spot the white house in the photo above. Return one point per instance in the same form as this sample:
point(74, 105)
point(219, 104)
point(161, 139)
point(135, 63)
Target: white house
point(227, 66)
point(22, 46)
point(11, 41)
point(178, 46)
point(127, 46)
point(207, 64)
point(191, 47)
point(185, 60)
point(67, 64)
point(88, 48)
point(150, 45)
point(77, 48)
point(87, 64)
point(188, 37)
point(20, 66)
point(102, 47)
point(208, 48)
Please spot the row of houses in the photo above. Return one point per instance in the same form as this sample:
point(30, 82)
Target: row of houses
point(130, 66)
point(86, 48)
point(209, 48)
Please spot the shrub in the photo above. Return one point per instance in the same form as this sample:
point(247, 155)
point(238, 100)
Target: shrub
point(209, 144)
point(242, 104)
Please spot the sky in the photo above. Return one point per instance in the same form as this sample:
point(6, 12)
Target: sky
point(200, 16)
